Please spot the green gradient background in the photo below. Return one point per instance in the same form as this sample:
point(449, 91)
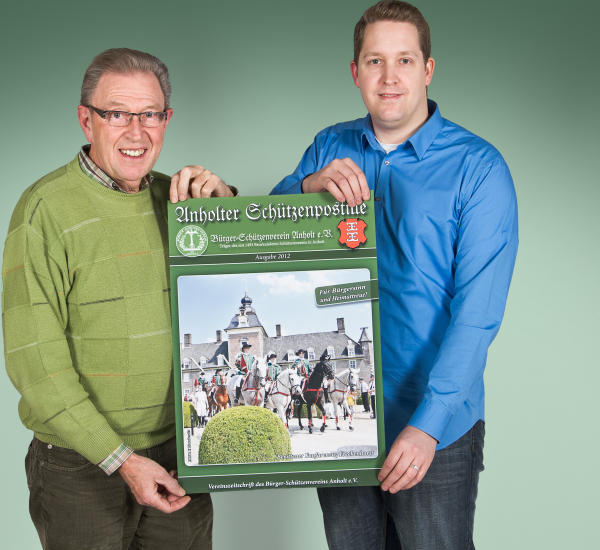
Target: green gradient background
point(253, 82)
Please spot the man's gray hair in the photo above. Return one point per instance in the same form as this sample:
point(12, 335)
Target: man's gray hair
point(124, 60)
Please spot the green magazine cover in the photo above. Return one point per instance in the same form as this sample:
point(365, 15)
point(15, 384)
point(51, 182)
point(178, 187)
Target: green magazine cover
point(277, 376)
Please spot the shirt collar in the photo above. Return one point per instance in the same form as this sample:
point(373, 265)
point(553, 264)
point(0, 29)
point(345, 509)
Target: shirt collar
point(420, 141)
point(89, 167)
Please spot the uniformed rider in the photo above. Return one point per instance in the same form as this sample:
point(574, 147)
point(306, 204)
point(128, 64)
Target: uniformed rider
point(273, 369)
point(301, 364)
point(244, 362)
point(217, 379)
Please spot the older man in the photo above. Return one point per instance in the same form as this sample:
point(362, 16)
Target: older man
point(87, 324)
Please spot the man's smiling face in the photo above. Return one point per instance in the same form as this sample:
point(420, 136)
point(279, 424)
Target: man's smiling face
point(393, 78)
point(125, 153)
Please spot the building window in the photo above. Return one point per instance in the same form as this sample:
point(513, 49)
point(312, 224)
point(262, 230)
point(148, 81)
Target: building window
point(290, 355)
point(331, 351)
point(334, 365)
point(187, 391)
point(186, 363)
point(203, 361)
point(311, 354)
point(242, 321)
point(351, 352)
point(220, 360)
point(352, 363)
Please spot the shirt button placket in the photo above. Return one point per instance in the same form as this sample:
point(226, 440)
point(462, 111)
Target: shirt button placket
point(378, 200)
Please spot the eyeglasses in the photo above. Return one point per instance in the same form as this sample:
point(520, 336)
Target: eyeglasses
point(149, 119)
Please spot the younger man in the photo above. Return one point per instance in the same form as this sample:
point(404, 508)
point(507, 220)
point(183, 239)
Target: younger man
point(446, 218)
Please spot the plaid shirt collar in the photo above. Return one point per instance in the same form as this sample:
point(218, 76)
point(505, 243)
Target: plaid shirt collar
point(90, 168)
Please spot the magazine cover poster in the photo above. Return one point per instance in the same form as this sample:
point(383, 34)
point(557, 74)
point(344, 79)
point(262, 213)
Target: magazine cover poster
point(276, 350)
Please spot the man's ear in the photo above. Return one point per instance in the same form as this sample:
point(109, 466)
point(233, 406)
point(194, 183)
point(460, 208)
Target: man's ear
point(169, 116)
point(84, 115)
point(354, 70)
point(429, 67)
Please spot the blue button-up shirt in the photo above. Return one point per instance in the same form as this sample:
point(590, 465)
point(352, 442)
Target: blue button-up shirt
point(446, 217)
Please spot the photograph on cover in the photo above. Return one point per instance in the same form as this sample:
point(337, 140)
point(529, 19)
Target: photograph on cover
point(258, 342)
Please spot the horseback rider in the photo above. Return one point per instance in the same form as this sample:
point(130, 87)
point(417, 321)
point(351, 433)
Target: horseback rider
point(217, 379)
point(273, 369)
point(244, 362)
point(302, 365)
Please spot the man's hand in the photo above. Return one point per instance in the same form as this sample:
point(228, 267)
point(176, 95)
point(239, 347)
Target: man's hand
point(197, 182)
point(342, 178)
point(413, 447)
point(152, 485)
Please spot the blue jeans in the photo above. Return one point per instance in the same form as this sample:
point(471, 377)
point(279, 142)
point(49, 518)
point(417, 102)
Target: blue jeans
point(436, 514)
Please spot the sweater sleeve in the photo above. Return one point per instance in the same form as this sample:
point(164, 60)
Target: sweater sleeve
point(36, 284)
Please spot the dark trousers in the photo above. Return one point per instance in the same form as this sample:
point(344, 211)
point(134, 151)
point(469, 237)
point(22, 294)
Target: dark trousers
point(75, 506)
point(373, 411)
point(436, 514)
point(365, 400)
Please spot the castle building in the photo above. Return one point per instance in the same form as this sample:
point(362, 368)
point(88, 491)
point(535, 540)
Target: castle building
point(245, 326)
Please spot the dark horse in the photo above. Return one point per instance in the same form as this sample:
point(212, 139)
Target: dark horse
point(312, 392)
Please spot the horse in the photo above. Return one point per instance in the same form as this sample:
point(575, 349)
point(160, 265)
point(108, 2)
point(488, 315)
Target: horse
point(218, 397)
point(221, 398)
point(287, 385)
point(253, 385)
point(312, 391)
point(212, 404)
point(342, 384)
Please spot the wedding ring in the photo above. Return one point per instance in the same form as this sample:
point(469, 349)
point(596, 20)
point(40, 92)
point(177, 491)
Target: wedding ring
point(415, 467)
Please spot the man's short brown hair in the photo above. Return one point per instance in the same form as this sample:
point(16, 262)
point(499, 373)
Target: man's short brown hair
point(393, 10)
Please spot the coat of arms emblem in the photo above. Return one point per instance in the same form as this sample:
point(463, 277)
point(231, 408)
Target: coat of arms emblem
point(352, 232)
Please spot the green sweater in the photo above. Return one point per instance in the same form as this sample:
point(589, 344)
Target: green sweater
point(86, 313)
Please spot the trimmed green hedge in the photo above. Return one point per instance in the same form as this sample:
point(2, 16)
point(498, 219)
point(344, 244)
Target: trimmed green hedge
point(187, 409)
point(244, 435)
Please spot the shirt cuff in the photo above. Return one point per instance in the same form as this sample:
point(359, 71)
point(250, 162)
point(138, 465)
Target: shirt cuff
point(115, 459)
point(432, 417)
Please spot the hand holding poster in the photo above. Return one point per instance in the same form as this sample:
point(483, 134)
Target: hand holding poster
point(275, 330)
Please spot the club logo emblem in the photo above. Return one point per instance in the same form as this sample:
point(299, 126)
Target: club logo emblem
point(352, 232)
point(191, 241)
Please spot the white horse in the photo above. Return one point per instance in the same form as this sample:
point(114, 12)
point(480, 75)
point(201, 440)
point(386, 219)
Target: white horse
point(286, 386)
point(253, 385)
point(339, 388)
